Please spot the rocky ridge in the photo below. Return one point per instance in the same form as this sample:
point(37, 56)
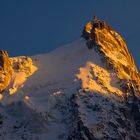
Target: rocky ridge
point(114, 53)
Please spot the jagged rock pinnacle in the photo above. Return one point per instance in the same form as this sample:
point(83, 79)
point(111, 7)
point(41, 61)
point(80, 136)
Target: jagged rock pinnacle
point(113, 49)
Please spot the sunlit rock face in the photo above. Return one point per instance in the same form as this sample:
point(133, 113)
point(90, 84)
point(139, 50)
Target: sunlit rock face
point(113, 51)
point(5, 70)
point(14, 71)
point(22, 69)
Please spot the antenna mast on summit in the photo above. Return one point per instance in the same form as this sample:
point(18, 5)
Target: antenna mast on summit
point(94, 18)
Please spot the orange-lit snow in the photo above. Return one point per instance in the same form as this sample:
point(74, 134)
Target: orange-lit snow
point(1, 97)
point(20, 76)
point(96, 78)
point(27, 97)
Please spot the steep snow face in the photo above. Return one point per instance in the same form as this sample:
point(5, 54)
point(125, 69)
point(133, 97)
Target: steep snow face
point(59, 67)
point(43, 88)
point(63, 67)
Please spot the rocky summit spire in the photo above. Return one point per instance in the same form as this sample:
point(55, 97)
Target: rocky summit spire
point(101, 37)
point(89, 31)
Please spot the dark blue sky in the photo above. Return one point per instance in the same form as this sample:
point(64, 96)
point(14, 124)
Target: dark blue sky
point(30, 27)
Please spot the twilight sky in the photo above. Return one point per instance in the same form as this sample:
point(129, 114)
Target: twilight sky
point(30, 27)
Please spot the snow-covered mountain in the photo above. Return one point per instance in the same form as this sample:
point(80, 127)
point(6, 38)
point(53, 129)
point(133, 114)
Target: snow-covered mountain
point(86, 90)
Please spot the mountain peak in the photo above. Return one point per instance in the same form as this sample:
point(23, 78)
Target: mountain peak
point(113, 49)
point(89, 88)
point(92, 26)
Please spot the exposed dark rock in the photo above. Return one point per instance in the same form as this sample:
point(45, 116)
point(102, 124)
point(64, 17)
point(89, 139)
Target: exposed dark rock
point(122, 122)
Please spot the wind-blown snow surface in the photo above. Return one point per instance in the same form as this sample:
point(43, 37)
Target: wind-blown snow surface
point(70, 95)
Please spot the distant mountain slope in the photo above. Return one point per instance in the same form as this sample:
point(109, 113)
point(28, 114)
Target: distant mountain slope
point(86, 90)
